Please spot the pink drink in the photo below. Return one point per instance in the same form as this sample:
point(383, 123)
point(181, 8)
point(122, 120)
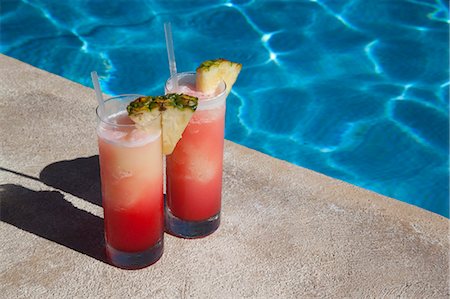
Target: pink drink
point(131, 175)
point(194, 169)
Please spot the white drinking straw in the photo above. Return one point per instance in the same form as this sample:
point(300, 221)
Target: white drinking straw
point(171, 54)
point(98, 93)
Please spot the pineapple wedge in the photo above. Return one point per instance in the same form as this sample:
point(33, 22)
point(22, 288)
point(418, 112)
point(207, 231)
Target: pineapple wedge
point(211, 72)
point(175, 111)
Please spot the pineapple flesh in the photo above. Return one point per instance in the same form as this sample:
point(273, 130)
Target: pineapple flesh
point(212, 72)
point(174, 111)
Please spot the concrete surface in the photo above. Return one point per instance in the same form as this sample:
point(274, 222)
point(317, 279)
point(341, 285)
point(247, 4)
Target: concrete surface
point(287, 232)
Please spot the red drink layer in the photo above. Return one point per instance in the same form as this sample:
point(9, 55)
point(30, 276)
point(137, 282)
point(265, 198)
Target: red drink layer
point(131, 176)
point(194, 169)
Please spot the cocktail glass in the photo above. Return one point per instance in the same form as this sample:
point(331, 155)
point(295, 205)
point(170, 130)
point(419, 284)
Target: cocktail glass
point(131, 170)
point(194, 169)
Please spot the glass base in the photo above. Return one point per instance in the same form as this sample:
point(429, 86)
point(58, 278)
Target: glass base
point(135, 260)
point(190, 229)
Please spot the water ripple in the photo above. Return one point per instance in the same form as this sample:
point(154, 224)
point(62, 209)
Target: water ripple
point(56, 23)
point(368, 50)
point(339, 17)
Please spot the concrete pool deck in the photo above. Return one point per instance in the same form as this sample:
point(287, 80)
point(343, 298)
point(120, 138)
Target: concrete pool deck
point(286, 232)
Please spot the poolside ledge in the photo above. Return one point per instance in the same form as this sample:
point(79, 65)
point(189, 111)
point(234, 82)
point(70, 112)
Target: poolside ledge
point(287, 232)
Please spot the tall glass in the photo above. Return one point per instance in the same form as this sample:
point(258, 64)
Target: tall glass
point(131, 170)
point(194, 169)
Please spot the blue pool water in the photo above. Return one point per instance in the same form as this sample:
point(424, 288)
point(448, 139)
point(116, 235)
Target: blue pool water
point(357, 90)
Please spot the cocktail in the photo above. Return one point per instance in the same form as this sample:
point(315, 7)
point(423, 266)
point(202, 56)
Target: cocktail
point(131, 169)
point(133, 134)
point(194, 169)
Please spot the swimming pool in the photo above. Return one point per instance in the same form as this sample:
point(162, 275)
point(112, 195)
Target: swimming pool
point(357, 90)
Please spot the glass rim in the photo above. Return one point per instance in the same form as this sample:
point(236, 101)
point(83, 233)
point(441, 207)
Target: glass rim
point(106, 121)
point(207, 100)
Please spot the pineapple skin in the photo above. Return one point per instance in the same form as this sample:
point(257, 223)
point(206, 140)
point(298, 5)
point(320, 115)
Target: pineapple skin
point(148, 103)
point(182, 101)
point(206, 65)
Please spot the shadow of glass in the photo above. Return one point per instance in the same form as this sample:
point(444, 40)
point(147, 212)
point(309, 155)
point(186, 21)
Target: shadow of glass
point(48, 215)
point(79, 177)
